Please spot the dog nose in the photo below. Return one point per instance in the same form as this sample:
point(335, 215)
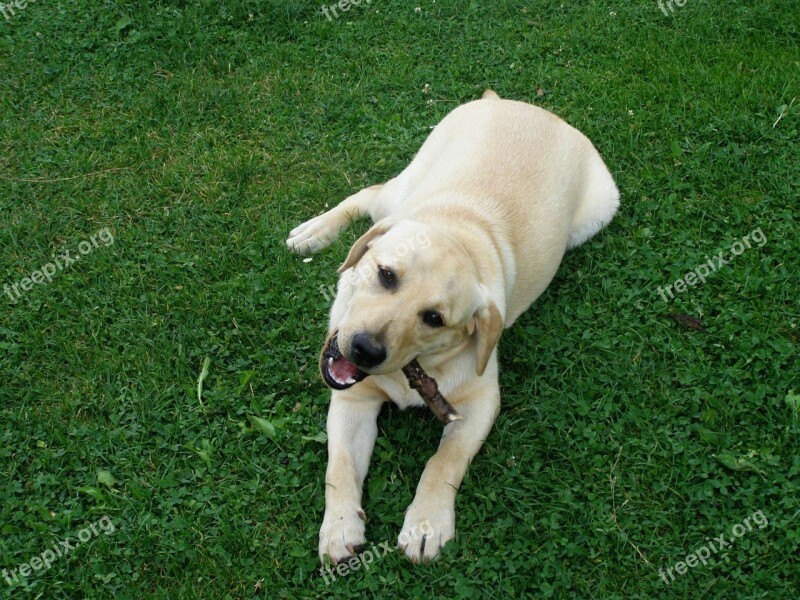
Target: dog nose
point(365, 352)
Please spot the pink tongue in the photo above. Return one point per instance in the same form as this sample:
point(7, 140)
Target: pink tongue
point(342, 370)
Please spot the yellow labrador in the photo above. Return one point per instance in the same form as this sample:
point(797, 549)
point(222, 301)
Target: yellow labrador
point(464, 240)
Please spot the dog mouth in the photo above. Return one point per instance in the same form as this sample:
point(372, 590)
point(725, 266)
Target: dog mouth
point(337, 372)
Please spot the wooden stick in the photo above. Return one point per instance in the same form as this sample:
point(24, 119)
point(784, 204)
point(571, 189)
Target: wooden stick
point(426, 386)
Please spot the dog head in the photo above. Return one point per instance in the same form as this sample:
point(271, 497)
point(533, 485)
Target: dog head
point(406, 290)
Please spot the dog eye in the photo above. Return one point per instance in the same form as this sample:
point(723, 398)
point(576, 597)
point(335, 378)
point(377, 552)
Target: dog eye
point(388, 277)
point(432, 318)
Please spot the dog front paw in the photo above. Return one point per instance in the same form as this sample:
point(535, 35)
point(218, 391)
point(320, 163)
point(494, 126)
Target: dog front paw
point(426, 529)
point(313, 235)
point(342, 534)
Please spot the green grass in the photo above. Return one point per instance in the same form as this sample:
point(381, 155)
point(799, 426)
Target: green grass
point(625, 439)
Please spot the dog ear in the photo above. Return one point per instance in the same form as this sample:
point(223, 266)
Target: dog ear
point(361, 246)
point(488, 328)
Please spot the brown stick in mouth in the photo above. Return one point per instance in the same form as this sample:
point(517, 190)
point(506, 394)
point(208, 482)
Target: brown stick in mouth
point(426, 386)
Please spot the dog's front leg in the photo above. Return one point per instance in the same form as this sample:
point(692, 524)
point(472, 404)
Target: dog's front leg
point(430, 520)
point(317, 233)
point(352, 429)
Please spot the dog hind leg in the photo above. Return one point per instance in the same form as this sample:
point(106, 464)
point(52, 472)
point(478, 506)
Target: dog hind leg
point(598, 205)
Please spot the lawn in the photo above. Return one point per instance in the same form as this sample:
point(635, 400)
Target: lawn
point(154, 156)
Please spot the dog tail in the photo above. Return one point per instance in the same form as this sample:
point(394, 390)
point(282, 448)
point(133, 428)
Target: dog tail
point(490, 95)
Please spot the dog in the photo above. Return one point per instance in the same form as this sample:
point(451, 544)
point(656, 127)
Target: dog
point(463, 241)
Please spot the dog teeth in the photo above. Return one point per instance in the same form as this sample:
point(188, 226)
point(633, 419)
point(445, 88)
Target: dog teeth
point(350, 381)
